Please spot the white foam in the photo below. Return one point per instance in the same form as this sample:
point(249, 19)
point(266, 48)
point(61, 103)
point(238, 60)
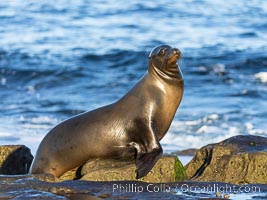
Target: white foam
point(30, 89)
point(205, 129)
point(3, 81)
point(249, 126)
point(200, 132)
point(184, 141)
point(43, 119)
point(219, 68)
point(8, 138)
point(10, 107)
point(206, 119)
point(213, 116)
point(5, 134)
point(202, 68)
point(254, 131)
point(36, 126)
point(40, 122)
point(210, 118)
point(257, 132)
point(193, 122)
point(30, 131)
point(208, 129)
point(262, 76)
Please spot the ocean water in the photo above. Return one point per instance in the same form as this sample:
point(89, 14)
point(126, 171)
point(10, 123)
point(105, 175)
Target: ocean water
point(61, 58)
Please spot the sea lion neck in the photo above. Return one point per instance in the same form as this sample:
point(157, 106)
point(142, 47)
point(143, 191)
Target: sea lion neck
point(166, 73)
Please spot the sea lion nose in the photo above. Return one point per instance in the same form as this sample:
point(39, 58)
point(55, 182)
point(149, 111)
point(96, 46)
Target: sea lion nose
point(176, 52)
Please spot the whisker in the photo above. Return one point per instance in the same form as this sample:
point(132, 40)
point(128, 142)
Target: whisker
point(181, 59)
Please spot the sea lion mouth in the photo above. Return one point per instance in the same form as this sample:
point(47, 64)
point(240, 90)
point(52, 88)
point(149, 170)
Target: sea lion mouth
point(173, 56)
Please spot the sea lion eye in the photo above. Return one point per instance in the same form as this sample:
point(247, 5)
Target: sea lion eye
point(162, 51)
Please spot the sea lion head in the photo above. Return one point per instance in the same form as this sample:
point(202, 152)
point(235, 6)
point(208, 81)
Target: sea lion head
point(165, 58)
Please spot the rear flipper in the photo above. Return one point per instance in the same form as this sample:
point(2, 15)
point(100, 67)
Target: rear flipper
point(146, 161)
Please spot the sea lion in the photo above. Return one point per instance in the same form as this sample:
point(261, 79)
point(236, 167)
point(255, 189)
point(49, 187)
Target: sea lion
point(135, 123)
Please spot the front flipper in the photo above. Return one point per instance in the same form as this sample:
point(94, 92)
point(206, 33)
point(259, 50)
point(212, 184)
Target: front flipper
point(144, 139)
point(146, 161)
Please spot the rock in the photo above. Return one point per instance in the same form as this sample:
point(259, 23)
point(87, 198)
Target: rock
point(238, 160)
point(15, 159)
point(72, 174)
point(185, 152)
point(167, 169)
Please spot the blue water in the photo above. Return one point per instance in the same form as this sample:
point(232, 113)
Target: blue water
point(61, 58)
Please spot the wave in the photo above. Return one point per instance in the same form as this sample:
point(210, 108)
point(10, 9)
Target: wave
point(118, 58)
point(248, 93)
point(207, 133)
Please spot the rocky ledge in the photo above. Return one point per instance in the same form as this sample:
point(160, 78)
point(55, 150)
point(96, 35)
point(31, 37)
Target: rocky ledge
point(167, 169)
point(236, 166)
point(238, 160)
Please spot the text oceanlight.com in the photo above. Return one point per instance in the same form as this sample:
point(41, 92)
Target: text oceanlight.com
point(212, 188)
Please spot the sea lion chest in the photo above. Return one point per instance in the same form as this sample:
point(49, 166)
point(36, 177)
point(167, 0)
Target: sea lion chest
point(155, 101)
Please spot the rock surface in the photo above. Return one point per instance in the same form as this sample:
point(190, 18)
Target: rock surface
point(167, 169)
point(29, 187)
point(15, 159)
point(239, 160)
